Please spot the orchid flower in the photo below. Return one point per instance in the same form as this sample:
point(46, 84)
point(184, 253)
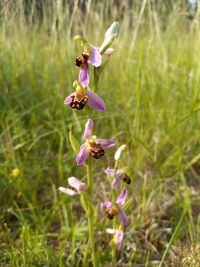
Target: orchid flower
point(119, 175)
point(113, 209)
point(74, 187)
point(84, 96)
point(90, 55)
point(118, 235)
point(93, 146)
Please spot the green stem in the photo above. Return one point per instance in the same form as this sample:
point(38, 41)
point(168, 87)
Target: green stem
point(96, 79)
point(114, 220)
point(90, 213)
point(114, 255)
point(86, 255)
point(90, 207)
point(89, 177)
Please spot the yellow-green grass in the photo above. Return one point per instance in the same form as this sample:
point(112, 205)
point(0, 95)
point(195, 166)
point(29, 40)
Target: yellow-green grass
point(151, 89)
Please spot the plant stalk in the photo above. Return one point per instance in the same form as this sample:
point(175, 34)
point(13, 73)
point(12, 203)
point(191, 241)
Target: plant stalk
point(96, 79)
point(90, 213)
point(114, 252)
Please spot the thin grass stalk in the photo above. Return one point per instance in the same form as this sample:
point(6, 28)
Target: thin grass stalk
point(173, 237)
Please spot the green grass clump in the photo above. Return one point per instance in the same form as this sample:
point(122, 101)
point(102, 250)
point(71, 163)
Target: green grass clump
point(151, 88)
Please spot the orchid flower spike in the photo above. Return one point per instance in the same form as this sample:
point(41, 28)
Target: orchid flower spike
point(84, 96)
point(113, 209)
point(118, 235)
point(118, 175)
point(90, 55)
point(93, 146)
point(74, 187)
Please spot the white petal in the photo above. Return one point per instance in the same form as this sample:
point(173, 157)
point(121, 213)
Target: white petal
point(111, 231)
point(67, 191)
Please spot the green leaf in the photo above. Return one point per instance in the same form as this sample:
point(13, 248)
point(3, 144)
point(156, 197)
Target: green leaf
point(74, 143)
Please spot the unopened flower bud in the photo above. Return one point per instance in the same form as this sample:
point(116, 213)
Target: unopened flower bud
point(119, 151)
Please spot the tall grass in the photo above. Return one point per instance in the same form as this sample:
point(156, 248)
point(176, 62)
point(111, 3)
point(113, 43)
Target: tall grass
point(151, 88)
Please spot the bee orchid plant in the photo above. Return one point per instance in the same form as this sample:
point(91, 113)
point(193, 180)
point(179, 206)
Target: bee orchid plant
point(94, 148)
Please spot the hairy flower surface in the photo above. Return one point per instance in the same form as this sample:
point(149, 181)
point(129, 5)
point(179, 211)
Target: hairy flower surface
point(90, 55)
point(74, 187)
point(119, 175)
point(93, 145)
point(113, 209)
point(84, 96)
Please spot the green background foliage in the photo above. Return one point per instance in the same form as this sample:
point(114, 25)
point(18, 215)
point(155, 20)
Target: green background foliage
point(151, 90)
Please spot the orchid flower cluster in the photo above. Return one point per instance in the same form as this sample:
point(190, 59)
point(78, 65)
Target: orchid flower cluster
point(93, 146)
point(117, 176)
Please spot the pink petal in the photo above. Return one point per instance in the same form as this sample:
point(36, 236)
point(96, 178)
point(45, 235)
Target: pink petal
point(119, 237)
point(105, 143)
point(68, 99)
point(107, 204)
point(84, 76)
point(111, 172)
point(75, 183)
point(108, 51)
point(88, 129)
point(122, 197)
point(68, 191)
point(123, 217)
point(95, 57)
point(83, 154)
point(116, 181)
point(94, 101)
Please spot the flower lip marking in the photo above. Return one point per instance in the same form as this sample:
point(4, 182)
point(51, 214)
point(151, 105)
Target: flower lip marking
point(83, 59)
point(112, 211)
point(80, 99)
point(96, 151)
point(72, 188)
point(126, 178)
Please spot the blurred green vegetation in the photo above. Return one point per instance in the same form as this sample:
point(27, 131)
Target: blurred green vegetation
point(151, 89)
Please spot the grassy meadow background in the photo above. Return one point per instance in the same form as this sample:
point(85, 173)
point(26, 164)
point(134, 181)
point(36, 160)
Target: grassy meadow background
point(151, 89)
